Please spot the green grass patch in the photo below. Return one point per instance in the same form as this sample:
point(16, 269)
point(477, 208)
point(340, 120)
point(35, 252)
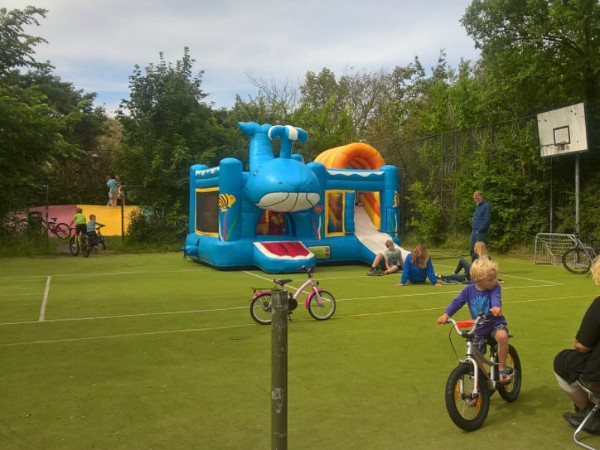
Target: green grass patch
point(155, 351)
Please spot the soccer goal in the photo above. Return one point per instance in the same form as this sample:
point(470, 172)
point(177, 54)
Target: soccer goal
point(549, 247)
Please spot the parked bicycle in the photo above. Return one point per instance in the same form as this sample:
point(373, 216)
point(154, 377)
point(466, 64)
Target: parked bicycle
point(319, 303)
point(60, 230)
point(470, 385)
point(579, 258)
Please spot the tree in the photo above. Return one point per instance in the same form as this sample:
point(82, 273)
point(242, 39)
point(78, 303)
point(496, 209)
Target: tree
point(542, 53)
point(31, 139)
point(537, 56)
point(167, 127)
point(16, 47)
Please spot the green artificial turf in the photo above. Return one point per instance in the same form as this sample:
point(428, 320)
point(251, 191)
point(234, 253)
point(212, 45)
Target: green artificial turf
point(158, 352)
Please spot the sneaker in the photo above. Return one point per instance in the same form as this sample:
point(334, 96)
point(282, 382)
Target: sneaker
point(373, 272)
point(575, 419)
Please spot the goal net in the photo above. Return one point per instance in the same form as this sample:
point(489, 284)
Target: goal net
point(549, 247)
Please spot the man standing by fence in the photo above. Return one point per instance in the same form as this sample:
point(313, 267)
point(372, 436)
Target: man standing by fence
point(482, 217)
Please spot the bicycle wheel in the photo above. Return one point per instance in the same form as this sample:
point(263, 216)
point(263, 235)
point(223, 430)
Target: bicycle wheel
point(62, 230)
point(260, 308)
point(576, 261)
point(467, 412)
point(510, 392)
point(74, 246)
point(86, 245)
point(102, 242)
point(321, 308)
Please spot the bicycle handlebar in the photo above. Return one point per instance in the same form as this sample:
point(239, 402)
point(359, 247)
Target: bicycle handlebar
point(473, 323)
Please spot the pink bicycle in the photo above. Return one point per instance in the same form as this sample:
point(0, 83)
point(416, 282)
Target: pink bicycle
point(319, 303)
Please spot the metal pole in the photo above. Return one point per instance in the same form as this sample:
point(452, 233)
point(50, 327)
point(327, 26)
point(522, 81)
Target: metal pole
point(551, 196)
point(279, 369)
point(47, 230)
point(122, 213)
point(577, 193)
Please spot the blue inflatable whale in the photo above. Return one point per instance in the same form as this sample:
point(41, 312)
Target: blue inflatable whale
point(282, 214)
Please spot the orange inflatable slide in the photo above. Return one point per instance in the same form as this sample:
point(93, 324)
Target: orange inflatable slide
point(356, 156)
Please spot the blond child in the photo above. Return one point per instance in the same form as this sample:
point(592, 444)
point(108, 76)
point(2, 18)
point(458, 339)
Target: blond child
point(483, 297)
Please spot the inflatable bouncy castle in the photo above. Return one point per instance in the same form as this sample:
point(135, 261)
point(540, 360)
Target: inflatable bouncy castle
point(283, 214)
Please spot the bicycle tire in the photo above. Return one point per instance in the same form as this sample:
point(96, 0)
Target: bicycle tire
point(86, 245)
point(510, 392)
point(321, 309)
point(62, 231)
point(74, 246)
point(576, 261)
point(467, 413)
point(260, 308)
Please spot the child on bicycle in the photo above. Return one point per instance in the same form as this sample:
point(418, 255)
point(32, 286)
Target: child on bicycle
point(91, 228)
point(484, 297)
point(79, 220)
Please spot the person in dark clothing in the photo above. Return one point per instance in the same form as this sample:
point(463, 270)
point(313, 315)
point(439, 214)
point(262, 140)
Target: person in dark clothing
point(582, 363)
point(482, 216)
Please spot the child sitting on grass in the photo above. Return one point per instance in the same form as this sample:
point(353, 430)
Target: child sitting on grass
point(418, 268)
point(483, 297)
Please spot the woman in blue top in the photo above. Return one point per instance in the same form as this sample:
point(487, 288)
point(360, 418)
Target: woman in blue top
point(418, 268)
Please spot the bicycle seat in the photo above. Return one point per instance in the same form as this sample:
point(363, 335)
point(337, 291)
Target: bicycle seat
point(281, 282)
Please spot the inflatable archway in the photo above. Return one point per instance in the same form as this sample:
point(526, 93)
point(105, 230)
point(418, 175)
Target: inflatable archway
point(284, 214)
point(357, 156)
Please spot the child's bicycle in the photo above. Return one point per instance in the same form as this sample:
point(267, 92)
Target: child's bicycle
point(80, 242)
point(87, 242)
point(470, 385)
point(60, 230)
point(98, 240)
point(320, 303)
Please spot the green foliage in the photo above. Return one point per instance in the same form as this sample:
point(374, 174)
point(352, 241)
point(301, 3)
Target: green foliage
point(426, 221)
point(167, 127)
point(148, 227)
point(47, 125)
point(29, 244)
point(16, 47)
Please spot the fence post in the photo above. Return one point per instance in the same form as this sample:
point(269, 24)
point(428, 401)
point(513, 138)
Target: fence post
point(279, 369)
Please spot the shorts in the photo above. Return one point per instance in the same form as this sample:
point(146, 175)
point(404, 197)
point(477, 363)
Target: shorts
point(480, 340)
point(81, 228)
point(571, 365)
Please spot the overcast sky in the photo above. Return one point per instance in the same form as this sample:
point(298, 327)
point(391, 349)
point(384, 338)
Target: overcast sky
point(95, 44)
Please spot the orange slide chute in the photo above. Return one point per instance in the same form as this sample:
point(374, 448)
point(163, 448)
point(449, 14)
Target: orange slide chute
point(351, 156)
point(356, 156)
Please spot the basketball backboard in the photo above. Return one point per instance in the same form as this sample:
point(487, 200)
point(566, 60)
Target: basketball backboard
point(563, 131)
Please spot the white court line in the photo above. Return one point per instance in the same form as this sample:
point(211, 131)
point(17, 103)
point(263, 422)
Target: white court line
point(226, 327)
point(441, 291)
point(164, 313)
point(24, 294)
point(44, 300)
point(95, 274)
